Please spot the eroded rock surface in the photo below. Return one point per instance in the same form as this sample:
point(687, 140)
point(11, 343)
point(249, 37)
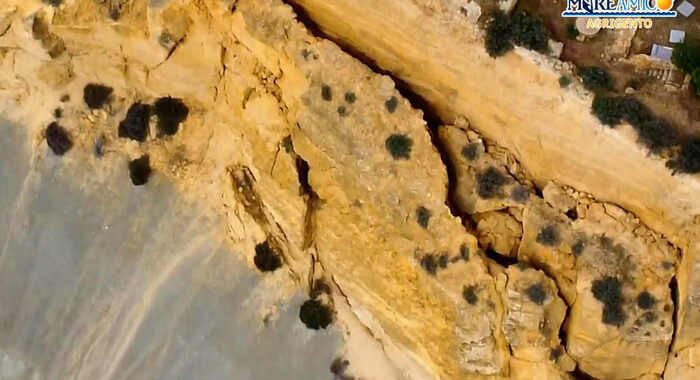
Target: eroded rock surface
point(304, 151)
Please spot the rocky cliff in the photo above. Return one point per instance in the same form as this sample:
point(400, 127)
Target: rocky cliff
point(518, 240)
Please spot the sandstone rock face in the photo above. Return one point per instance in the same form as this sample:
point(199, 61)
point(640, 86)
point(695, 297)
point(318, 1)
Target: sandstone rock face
point(516, 101)
point(614, 274)
point(294, 143)
point(291, 142)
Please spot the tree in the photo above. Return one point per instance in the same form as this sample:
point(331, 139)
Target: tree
point(686, 56)
point(656, 134)
point(498, 33)
point(529, 31)
point(571, 31)
point(607, 109)
point(595, 78)
point(688, 160)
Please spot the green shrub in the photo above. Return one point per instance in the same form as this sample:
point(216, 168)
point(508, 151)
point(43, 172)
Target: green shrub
point(490, 182)
point(696, 79)
point(634, 112)
point(498, 33)
point(686, 56)
point(266, 258)
point(529, 31)
point(607, 109)
point(656, 134)
point(399, 146)
point(688, 160)
point(564, 81)
point(595, 78)
point(315, 315)
point(571, 30)
point(608, 291)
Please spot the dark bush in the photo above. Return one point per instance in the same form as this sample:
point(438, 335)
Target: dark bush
point(339, 366)
point(391, 104)
point(315, 315)
point(471, 151)
point(140, 170)
point(645, 300)
point(266, 259)
point(326, 93)
point(442, 261)
point(686, 56)
point(429, 263)
point(423, 216)
point(614, 315)
point(549, 235)
point(688, 160)
point(595, 78)
point(490, 182)
point(58, 139)
point(608, 290)
point(469, 294)
point(529, 31)
point(498, 33)
point(96, 95)
point(171, 112)
point(571, 31)
point(399, 146)
point(464, 252)
point(555, 353)
point(607, 109)
point(536, 293)
point(135, 124)
point(564, 81)
point(350, 97)
point(656, 134)
point(578, 247)
point(520, 193)
point(634, 111)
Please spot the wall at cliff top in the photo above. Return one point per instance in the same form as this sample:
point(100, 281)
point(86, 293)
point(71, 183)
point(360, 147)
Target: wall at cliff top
point(557, 257)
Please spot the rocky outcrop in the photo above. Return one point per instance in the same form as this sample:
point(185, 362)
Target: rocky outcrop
point(613, 272)
point(515, 101)
point(331, 168)
point(317, 165)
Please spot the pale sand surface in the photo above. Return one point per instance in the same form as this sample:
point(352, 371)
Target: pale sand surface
point(120, 282)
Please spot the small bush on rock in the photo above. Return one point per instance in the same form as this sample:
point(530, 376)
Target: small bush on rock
point(171, 112)
point(595, 78)
point(135, 124)
point(529, 31)
point(58, 139)
point(688, 160)
point(315, 315)
point(266, 259)
point(607, 109)
point(498, 33)
point(96, 95)
point(140, 170)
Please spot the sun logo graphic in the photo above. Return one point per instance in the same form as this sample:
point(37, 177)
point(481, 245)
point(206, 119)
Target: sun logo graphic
point(664, 5)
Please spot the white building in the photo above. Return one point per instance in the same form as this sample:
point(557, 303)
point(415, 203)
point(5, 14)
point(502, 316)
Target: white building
point(685, 8)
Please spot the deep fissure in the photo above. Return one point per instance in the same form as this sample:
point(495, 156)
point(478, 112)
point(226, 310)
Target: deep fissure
point(433, 121)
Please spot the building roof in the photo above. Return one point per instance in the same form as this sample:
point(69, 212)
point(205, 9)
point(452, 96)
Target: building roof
point(676, 36)
point(661, 52)
point(685, 8)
